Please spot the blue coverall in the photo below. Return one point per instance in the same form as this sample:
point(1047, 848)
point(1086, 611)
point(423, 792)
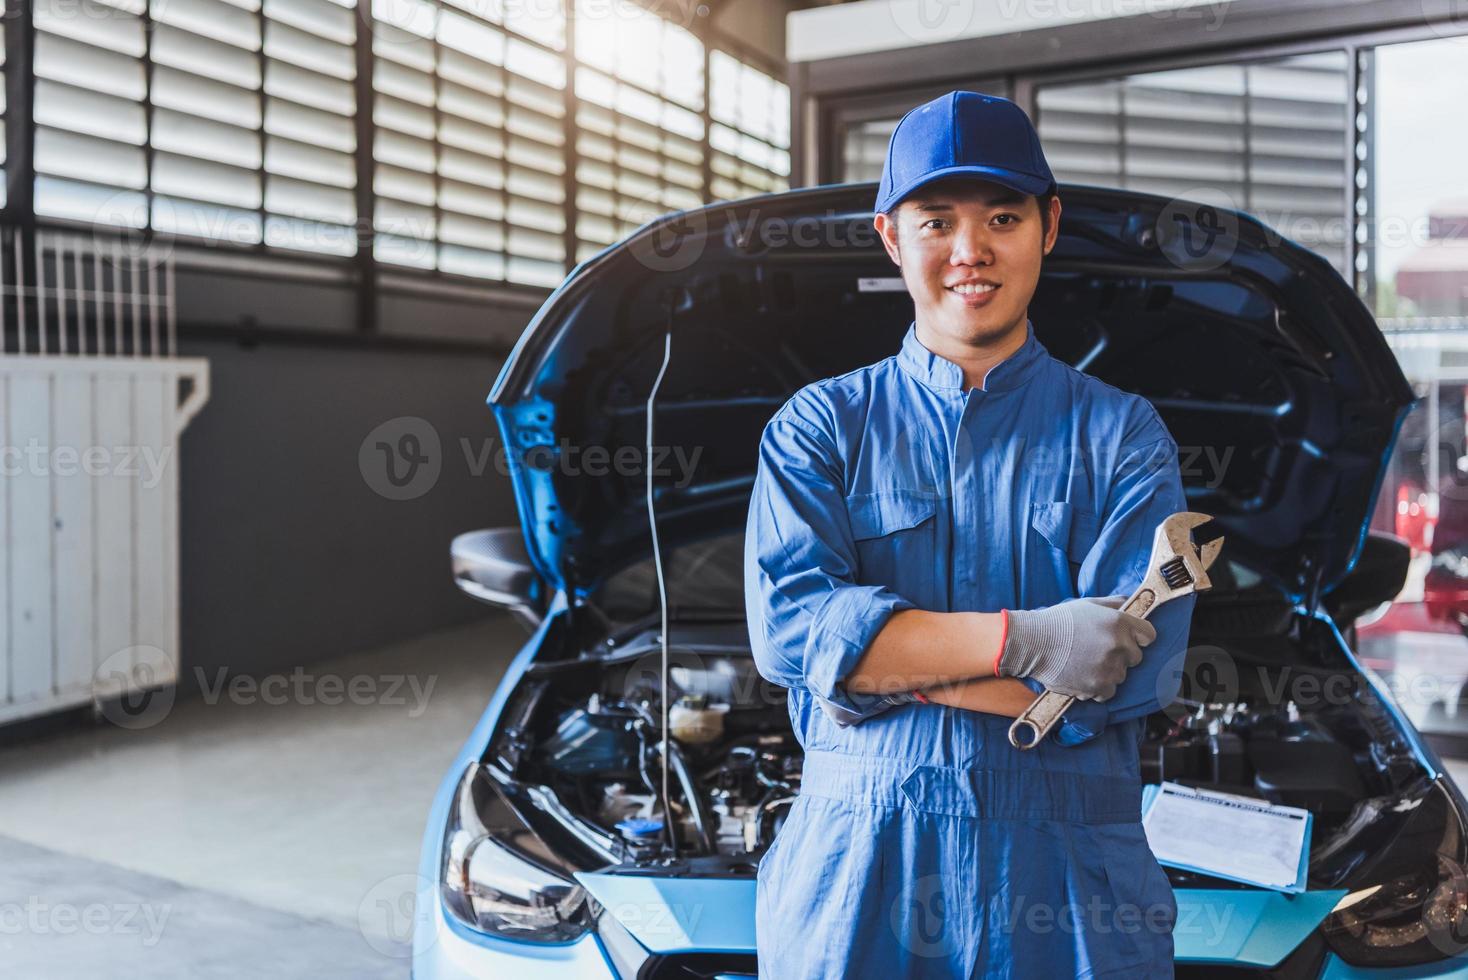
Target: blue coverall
point(922, 844)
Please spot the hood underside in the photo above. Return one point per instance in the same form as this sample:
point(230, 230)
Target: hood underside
point(1272, 376)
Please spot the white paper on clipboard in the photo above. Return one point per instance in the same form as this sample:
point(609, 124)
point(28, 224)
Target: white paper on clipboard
point(1227, 835)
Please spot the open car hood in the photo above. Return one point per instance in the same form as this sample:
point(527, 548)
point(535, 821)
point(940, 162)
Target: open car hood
point(1269, 371)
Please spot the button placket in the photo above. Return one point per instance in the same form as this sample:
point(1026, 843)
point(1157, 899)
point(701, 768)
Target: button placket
point(966, 506)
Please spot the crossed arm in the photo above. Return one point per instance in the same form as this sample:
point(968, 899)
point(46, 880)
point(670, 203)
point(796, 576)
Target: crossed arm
point(947, 656)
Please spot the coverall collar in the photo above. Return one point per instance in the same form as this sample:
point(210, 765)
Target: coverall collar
point(936, 371)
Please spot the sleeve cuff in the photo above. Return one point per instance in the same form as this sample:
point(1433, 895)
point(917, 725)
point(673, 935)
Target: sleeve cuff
point(1082, 722)
point(865, 706)
point(843, 628)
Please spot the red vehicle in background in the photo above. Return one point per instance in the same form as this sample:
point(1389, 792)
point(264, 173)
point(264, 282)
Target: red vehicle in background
point(1445, 587)
point(1436, 524)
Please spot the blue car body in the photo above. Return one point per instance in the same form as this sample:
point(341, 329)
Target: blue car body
point(1315, 423)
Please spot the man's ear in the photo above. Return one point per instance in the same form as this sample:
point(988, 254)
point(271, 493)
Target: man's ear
point(1053, 230)
point(886, 225)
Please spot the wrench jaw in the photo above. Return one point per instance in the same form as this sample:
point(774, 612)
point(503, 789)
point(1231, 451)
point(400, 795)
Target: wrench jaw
point(1206, 556)
point(1174, 541)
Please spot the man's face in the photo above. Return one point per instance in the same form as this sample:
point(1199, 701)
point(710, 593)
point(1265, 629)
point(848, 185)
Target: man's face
point(970, 252)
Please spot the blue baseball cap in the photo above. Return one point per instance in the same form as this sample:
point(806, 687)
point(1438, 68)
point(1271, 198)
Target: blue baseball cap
point(964, 134)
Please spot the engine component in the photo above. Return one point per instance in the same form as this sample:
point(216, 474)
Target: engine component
point(1229, 764)
point(641, 836)
point(693, 721)
point(1317, 774)
point(587, 741)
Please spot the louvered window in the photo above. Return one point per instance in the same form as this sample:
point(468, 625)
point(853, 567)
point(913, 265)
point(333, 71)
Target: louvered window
point(1270, 138)
point(310, 140)
point(470, 157)
point(227, 121)
point(235, 121)
point(865, 148)
point(91, 111)
point(640, 131)
point(750, 135)
point(4, 117)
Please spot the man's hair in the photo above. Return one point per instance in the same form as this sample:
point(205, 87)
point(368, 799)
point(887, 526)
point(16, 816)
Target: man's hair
point(1043, 200)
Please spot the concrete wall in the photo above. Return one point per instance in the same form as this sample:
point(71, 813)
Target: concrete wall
point(288, 552)
point(292, 548)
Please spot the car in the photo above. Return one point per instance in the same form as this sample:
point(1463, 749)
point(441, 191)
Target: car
point(539, 857)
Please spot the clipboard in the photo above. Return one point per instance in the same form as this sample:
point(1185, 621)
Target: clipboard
point(1153, 791)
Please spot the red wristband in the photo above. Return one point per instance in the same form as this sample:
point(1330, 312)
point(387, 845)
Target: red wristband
point(1003, 635)
point(920, 696)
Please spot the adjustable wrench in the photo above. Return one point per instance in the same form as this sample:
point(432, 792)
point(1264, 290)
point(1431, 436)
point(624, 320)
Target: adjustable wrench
point(1176, 568)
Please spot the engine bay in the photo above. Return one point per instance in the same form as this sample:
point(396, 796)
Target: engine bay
point(734, 762)
point(1285, 725)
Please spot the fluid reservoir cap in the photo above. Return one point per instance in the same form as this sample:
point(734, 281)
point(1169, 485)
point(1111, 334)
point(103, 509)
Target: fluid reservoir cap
point(639, 828)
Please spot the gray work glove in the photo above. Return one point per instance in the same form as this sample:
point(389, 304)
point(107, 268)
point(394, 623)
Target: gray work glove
point(1082, 647)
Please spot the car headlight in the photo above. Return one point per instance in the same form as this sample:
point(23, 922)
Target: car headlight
point(498, 875)
point(1416, 908)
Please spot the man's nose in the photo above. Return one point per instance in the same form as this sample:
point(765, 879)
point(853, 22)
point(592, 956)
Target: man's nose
point(971, 246)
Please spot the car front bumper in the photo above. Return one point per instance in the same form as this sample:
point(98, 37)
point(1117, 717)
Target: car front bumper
point(447, 951)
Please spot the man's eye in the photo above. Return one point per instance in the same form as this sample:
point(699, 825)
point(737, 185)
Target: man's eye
point(1006, 219)
point(934, 223)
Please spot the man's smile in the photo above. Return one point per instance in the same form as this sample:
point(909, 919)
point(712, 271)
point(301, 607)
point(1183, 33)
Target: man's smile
point(974, 293)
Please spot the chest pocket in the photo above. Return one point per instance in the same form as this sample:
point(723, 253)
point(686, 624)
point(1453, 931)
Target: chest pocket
point(895, 533)
point(1070, 531)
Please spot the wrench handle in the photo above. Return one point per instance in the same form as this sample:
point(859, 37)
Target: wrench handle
point(1044, 713)
point(1141, 601)
point(1035, 722)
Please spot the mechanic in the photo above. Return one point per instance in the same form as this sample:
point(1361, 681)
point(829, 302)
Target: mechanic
point(932, 540)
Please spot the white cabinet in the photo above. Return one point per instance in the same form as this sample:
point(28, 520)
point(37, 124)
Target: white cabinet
point(89, 470)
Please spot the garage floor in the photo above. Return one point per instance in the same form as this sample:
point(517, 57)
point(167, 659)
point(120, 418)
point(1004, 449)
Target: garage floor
point(241, 838)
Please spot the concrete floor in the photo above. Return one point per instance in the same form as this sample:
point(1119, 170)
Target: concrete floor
point(241, 838)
